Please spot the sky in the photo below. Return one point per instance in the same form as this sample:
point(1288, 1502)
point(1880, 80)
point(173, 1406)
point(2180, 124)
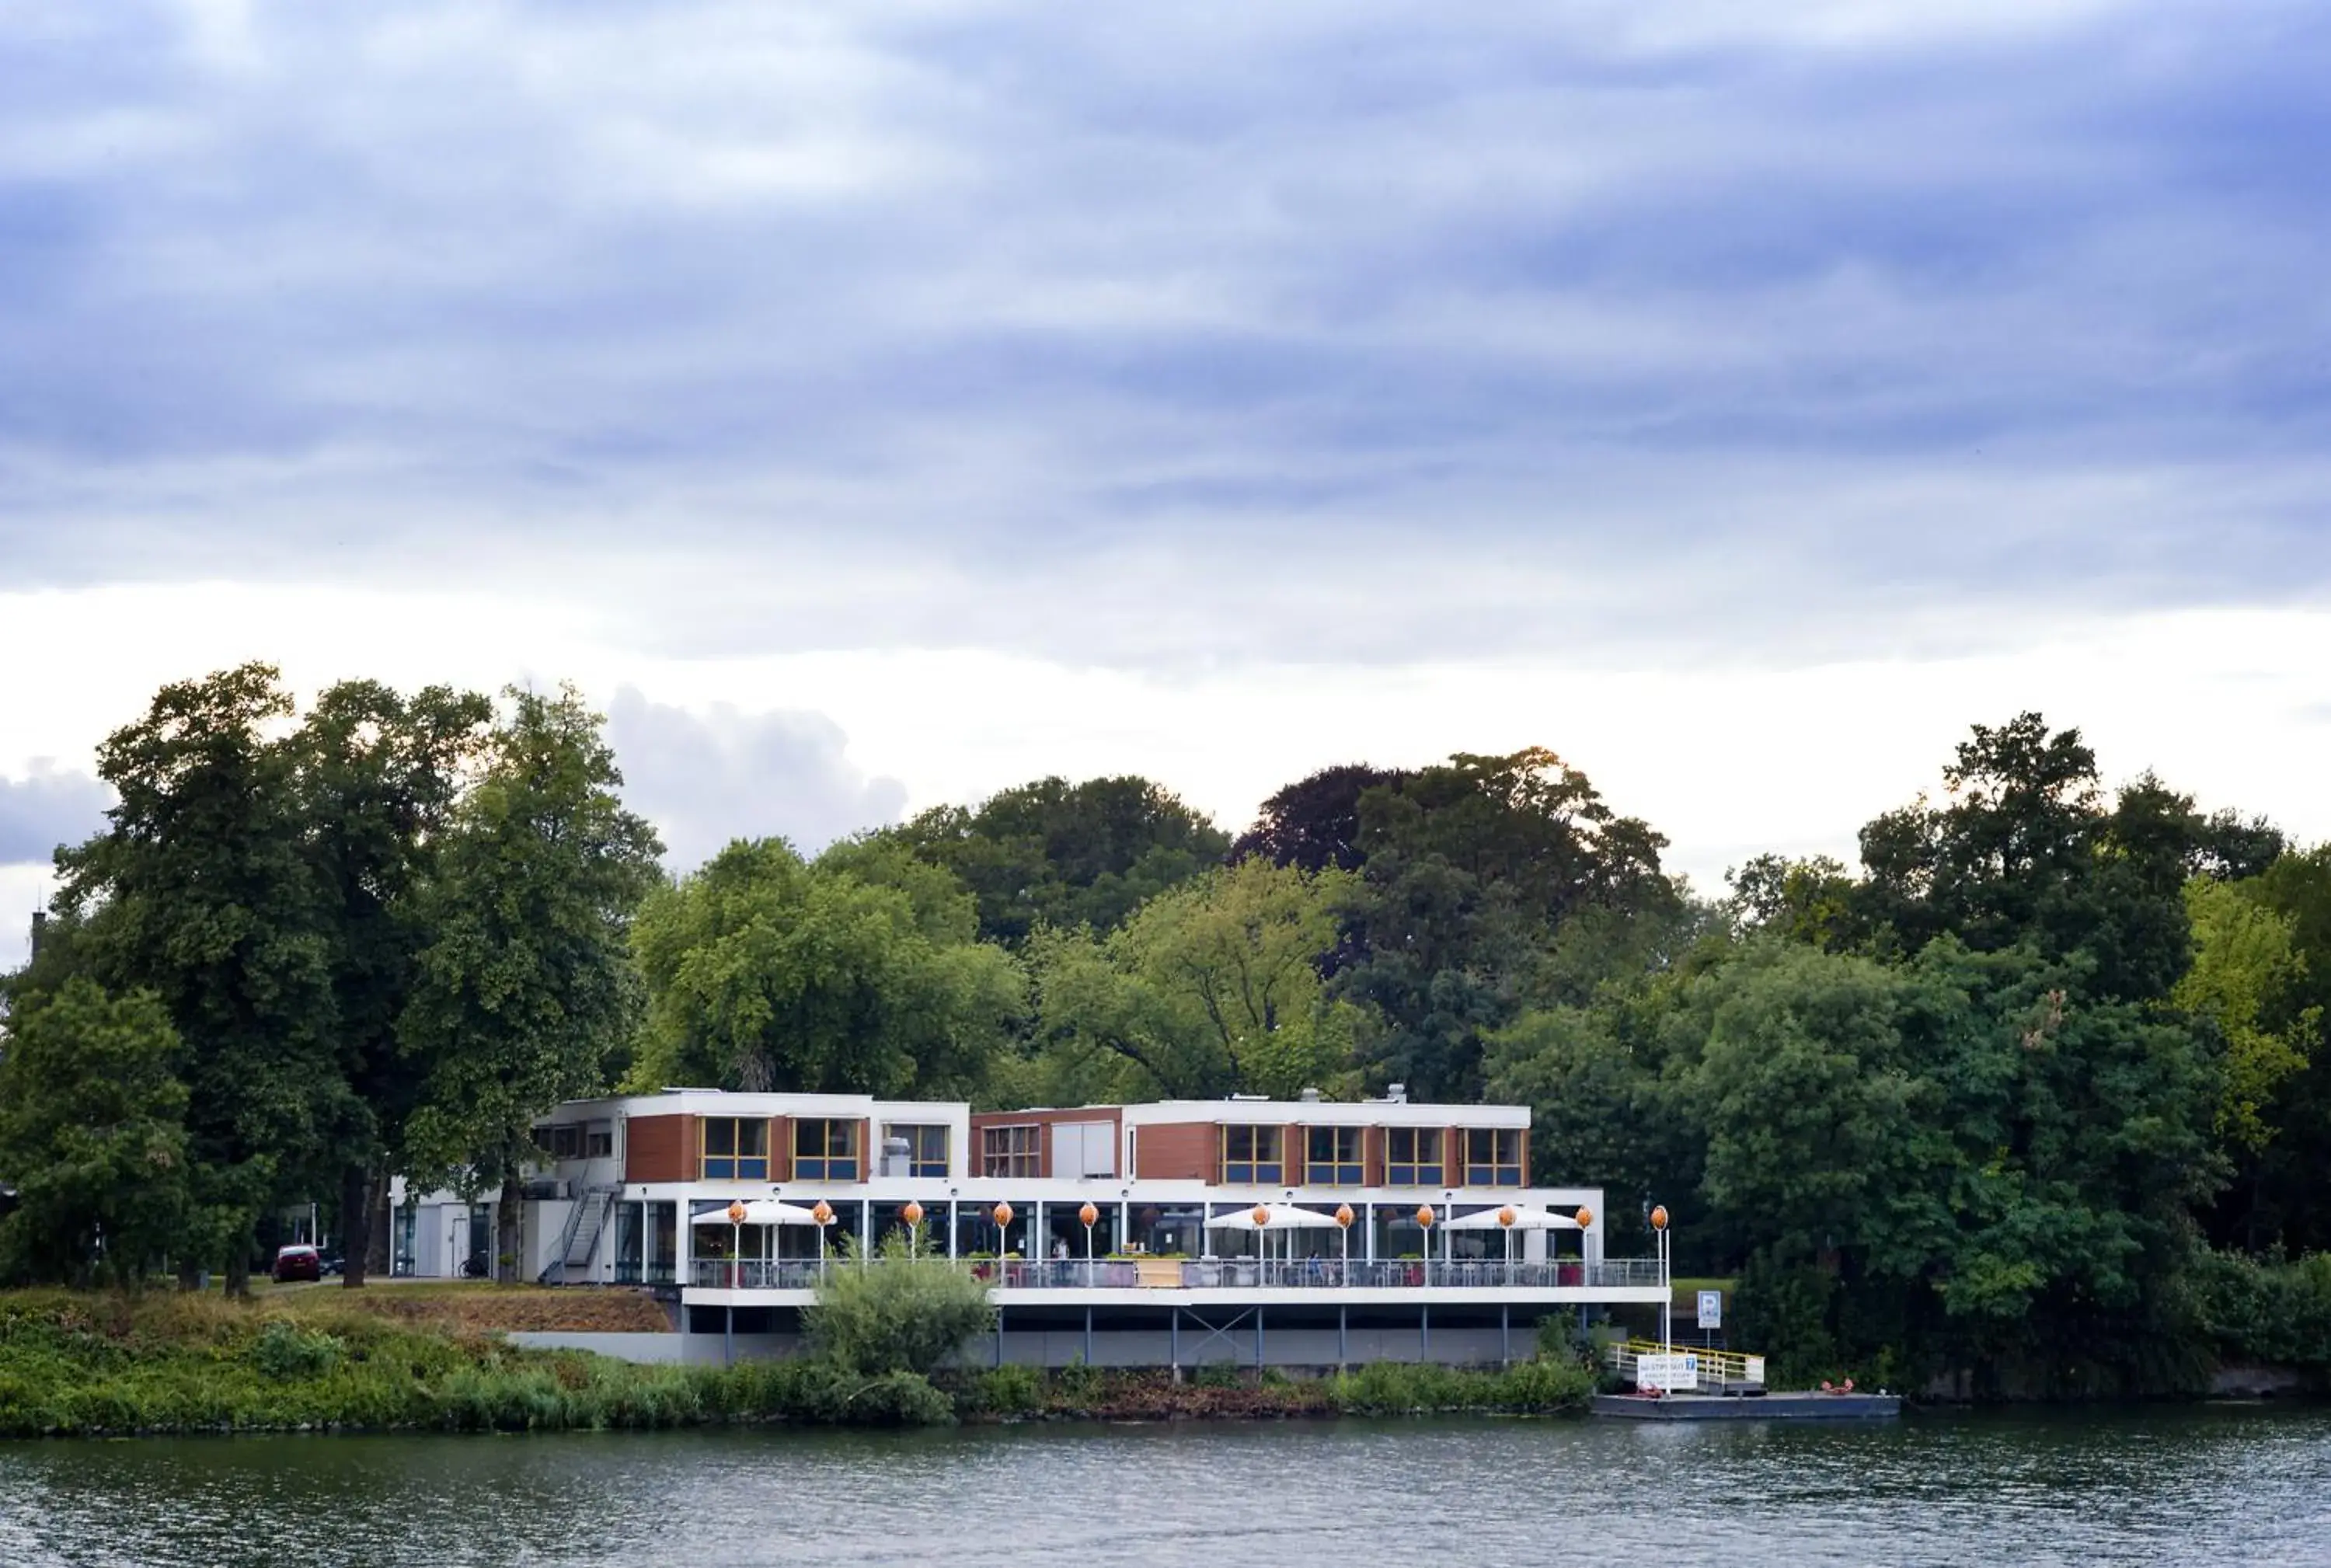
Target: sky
point(873, 406)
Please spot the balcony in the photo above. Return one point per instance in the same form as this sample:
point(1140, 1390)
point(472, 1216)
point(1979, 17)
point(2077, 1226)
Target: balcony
point(1277, 1275)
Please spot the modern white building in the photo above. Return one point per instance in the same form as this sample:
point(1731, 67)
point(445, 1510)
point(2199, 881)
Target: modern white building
point(1284, 1231)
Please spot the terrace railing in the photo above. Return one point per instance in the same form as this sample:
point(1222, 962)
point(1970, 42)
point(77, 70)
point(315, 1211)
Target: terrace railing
point(1214, 1274)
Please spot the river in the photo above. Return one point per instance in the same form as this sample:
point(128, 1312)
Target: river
point(2224, 1484)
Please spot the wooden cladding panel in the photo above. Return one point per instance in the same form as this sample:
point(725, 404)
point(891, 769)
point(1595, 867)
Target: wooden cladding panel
point(1177, 1151)
point(659, 1148)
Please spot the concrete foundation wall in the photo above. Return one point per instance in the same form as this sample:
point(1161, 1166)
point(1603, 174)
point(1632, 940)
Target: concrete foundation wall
point(1059, 1347)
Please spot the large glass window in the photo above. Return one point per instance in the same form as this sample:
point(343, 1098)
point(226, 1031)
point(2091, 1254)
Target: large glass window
point(1254, 1156)
point(736, 1149)
point(1412, 1156)
point(563, 1141)
point(825, 1150)
point(599, 1141)
point(1332, 1157)
point(927, 1148)
point(1493, 1157)
point(1012, 1151)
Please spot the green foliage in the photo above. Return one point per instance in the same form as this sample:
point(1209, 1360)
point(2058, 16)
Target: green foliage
point(1006, 1391)
point(284, 1350)
point(94, 1365)
point(1392, 1388)
point(2246, 970)
point(525, 993)
point(1472, 867)
point(911, 1314)
point(1053, 854)
point(92, 1133)
point(1211, 989)
point(2266, 1313)
point(858, 973)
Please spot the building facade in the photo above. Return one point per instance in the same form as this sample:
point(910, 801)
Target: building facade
point(1110, 1233)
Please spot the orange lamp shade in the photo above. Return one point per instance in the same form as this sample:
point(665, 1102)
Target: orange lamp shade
point(1660, 1217)
point(1506, 1217)
point(1090, 1216)
point(1344, 1215)
point(1424, 1215)
point(1001, 1214)
point(1587, 1218)
point(912, 1213)
point(1261, 1214)
point(822, 1213)
point(736, 1213)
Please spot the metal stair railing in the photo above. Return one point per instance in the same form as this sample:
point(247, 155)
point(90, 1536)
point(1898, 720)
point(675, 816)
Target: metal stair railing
point(578, 1243)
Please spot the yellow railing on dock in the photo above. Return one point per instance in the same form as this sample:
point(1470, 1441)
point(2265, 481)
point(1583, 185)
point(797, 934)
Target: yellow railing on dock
point(1718, 1369)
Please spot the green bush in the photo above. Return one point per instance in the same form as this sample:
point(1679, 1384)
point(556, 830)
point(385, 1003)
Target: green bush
point(284, 1350)
point(909, 1313)
point(1006, 1391)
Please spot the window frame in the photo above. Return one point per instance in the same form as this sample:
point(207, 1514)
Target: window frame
point(1494, 1171)
point(920, 1165)
point(1254, 1167)
point(1003, 1163)
point(1416, 1171)
point(736, 1161)
point(1343, 1172)
point(836, 1155)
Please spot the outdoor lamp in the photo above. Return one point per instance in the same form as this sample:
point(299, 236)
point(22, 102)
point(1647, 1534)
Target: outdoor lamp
point(1089, 1214)
point(736, 1211)
point(912, 1213)
point(1506, 1218)
point(1586, 1218)
point(1660, 1218)
point(1344, 1215)
point(1262, 1215)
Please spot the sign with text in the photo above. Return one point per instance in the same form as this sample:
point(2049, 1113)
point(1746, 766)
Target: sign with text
point(1711, 1309)
point(1676, 1373)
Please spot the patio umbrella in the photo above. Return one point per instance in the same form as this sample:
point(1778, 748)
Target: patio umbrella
point(1266, 1219)
point(1522, 1220)
point(758, 1211)
point(1271, 1217)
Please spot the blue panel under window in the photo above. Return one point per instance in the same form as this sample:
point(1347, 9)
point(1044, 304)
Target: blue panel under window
point(753, 1170)
point(1336, 1175)
point(928, 1168)
point(719, 1170)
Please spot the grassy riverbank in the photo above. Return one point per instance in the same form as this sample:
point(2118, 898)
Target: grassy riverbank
point(75, 1364)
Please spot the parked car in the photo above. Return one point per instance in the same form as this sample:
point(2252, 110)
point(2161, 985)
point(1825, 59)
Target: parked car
point(298, 1261)
point(334, 1264)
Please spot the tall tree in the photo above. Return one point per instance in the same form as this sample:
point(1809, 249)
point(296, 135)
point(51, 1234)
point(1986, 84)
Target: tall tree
point(858, 973)
point(526, 993)
point(377, 775)
point(1472, 869)
point(92, 1135)
point(1315, 821)
point(1210, 989)
point(1061, 854)
point(200, 892)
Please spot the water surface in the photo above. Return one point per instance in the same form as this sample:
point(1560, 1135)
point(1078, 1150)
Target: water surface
point(2224, 1484)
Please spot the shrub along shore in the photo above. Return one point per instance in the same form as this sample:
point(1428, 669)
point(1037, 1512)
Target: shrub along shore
point(93, 1365)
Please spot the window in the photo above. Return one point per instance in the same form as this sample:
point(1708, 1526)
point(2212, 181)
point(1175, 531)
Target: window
point(560, 1142)
point(1412, 1156)
point(927, 1148)
point(599, 1141)
point(825, 1150)
point(1016, 1150)
point(1254, 1156)
point(1332, 1158)
point(736, 1149)
point(1493, 1157)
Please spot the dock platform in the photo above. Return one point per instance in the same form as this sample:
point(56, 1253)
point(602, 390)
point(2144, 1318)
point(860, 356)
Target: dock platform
point(1771, 1407)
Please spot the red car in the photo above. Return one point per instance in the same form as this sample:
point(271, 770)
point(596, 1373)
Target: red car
point(298, 1261)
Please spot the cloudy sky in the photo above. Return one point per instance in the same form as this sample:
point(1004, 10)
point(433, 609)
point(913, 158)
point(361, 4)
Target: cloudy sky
point(877, 405)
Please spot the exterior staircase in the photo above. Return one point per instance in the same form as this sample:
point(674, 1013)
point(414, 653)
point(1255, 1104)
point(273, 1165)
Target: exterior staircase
point(578, 1243)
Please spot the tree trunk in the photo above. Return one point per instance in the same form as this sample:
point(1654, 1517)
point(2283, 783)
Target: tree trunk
point(190, 1275)
point(238, 1270)
point(379, 1258)
point(356, 1224)
point(506, 1233)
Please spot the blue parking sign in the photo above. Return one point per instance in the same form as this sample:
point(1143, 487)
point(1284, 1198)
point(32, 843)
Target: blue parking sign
point(1711, 1309)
